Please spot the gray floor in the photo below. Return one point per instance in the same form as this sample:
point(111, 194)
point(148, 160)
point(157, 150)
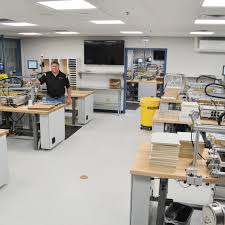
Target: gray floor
point(45, 186)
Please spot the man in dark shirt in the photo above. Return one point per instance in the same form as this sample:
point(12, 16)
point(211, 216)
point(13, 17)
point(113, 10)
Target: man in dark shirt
point(56, 82)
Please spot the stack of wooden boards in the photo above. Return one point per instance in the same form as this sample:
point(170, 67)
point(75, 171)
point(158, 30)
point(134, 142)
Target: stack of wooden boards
point(186, 146)
point(165, 149)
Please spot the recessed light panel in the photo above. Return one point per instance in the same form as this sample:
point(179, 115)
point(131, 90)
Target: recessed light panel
point(19, 24)
point(202, 33)
point(30, 33)
point(210, 22)
point(213, 3)
point(131, 32)
point(66, 5)
point(107, 21)
point(66, 32)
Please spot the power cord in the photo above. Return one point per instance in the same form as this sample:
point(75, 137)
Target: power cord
point(194, 145)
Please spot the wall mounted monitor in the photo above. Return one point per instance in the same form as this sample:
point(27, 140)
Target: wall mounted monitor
point(159, 55)
point(104, 52)
point(32, 64)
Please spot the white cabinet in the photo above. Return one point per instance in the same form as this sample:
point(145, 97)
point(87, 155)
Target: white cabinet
point(52, 128)
point(85, 109)
point(4, 170)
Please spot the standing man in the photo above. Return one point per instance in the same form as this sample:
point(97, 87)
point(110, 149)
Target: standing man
point(56, 83)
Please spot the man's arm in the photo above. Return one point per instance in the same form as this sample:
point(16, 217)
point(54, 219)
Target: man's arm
point(68, 98)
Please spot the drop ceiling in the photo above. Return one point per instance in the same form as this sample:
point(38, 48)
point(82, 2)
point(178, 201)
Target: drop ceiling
point(152, 17)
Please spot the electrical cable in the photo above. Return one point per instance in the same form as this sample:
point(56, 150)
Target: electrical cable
point(207, 76)
point(193, 146)
point(214, 96)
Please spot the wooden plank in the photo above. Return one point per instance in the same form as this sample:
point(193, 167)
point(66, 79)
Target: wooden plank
point(41, 106)
point(143, 167)
point(24, 109)
point(3, 132)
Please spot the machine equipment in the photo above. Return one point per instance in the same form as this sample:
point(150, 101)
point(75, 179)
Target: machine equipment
point(214, 214)
point(211, 111)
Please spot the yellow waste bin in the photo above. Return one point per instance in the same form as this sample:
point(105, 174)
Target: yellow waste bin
point(149, 106)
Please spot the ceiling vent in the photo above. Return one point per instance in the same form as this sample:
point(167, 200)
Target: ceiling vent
point(3, 20)
point(213, 16)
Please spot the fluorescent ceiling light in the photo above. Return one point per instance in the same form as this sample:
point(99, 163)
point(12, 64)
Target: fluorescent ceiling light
point(30, 34)
point(107, 21)
point(19, 24)
point(210, 22)
point(71, 4)
point(202, 33)
point(66, 32)
point(131, 32)
point(213, 3)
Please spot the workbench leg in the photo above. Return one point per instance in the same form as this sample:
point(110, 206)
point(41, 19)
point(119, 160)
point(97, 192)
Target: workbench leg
point(73, 110)
point(119, 102)
point(163, 189)
point(35, 131)
point(141, 191)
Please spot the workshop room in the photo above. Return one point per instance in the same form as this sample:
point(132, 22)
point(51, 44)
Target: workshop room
point(112, 112)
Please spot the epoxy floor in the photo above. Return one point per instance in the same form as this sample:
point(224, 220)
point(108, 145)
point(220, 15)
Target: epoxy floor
point(45, 186)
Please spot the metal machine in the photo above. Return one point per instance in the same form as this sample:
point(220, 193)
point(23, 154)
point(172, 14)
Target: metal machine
point(216, 158)
point(214, 214)
point(211, 111)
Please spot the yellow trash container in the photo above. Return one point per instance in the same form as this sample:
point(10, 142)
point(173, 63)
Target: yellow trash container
point(149, 106)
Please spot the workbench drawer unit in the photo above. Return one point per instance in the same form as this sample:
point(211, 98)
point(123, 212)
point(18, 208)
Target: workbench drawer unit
point(52, 128)
point(4, 170)
point(85, 109)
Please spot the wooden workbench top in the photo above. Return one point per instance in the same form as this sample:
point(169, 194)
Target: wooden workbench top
point(74, 93)
point(3, 132)
point(25, 109)
point(81, 94)
point(179, 100)
point(143, 167)
point(172, 117)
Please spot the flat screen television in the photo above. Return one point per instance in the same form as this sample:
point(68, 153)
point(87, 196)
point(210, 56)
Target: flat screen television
point(159, 55)
point(104, 52)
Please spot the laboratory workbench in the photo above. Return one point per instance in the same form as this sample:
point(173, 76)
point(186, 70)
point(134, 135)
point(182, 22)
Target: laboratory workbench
point(50, 133)
point(145, 177)
point(85, 105)
point(172, 117)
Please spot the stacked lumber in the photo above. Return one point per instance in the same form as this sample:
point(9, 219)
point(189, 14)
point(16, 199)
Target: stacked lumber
point(171, 93)
point(165, 149)
point(186, 146)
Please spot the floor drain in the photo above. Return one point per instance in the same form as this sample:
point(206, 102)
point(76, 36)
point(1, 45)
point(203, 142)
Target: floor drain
point(83, 177)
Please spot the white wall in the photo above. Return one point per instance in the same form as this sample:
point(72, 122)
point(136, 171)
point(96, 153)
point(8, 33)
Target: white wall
point(181, 55)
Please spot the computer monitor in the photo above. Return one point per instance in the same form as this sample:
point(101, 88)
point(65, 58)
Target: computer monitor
point(223, 71)
point(32, 64)
point(1, 67)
